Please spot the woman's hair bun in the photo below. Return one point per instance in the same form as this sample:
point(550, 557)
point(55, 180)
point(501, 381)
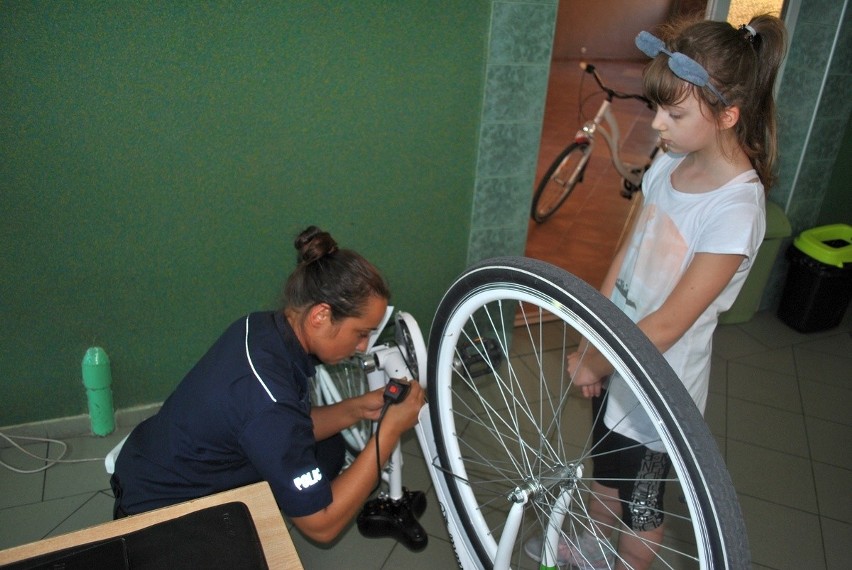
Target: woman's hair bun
point(314, 244)
point(325, 273)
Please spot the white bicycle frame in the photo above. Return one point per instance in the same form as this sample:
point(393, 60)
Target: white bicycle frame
point(586, 135)
point(391, 361)
point(381, 363)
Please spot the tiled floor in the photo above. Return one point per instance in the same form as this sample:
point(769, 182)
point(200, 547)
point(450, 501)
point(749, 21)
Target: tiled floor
point(778, 408)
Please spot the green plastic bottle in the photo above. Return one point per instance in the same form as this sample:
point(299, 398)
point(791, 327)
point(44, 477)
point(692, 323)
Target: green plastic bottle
point(97, 378)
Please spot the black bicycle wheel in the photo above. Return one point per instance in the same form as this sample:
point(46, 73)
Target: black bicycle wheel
point(508, 422)
point(559, 180)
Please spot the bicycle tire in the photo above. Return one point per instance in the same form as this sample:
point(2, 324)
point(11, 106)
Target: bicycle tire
point(522, 399)
point(555, 187)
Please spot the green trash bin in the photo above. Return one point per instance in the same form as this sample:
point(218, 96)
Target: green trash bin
point(748, 301)
point(819, 280)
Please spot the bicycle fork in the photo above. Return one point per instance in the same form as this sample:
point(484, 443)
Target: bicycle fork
point(393, 514)
point(519, 497)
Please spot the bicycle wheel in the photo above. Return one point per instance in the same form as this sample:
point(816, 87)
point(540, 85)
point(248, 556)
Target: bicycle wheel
point(507, 421)
point(559, 180)
point(335, 383)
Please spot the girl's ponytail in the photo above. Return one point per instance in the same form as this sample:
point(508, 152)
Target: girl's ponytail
point(768, 37)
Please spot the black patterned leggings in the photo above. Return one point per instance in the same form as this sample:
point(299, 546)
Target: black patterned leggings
point(637, 472)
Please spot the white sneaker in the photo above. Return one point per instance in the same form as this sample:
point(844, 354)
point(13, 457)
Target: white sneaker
point(569, 554)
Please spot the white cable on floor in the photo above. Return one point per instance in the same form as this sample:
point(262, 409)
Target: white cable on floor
point(50, 462)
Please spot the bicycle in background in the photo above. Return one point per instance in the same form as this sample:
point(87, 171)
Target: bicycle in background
point(569, 166)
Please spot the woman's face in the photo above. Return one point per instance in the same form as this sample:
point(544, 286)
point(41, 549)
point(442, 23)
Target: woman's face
point(336, 341)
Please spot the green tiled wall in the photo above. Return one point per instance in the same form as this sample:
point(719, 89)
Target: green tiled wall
point(518, 66)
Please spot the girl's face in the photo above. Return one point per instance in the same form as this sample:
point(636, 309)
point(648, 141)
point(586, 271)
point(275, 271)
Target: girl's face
point(336, 341)
point(685, 127)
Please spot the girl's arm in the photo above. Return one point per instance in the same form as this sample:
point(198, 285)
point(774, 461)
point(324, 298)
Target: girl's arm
point(586, 367)
point(704, 280)
point(351, 489)
point(706, 277)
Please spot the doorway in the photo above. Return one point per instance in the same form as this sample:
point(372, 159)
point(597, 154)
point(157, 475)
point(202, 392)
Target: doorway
point(583, 235)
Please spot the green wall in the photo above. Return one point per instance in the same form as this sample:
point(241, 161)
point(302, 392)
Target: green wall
point(157, 159)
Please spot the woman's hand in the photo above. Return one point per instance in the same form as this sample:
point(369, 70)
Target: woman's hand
point(369, 405)
point(403, 415)
point(351, 488)
point(329, 420)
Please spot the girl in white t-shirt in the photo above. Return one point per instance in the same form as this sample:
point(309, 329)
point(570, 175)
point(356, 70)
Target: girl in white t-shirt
point(687, 256)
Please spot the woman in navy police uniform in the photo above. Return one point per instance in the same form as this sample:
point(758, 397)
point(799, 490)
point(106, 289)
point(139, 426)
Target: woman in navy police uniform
point(243, 413)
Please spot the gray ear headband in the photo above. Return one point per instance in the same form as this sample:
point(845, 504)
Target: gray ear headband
point(681, 65)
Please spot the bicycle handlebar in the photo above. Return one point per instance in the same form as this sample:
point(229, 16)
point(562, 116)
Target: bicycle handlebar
point(612, 93)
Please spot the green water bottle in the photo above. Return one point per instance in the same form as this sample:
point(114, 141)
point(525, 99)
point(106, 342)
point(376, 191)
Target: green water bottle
point(97, 378)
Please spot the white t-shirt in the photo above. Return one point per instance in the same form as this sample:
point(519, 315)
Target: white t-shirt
point(673, 226)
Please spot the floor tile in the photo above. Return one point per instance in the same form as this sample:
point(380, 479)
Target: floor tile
point(96, 510)
point(439, 554)
point(839, 345)
point(718, 375)
point(771, 332)
point(722, 444)
point(826, 402)
point(767, 427)
point(716, 414)
point(781, 537)
point(763, 386)
point(729, 341)
point(780, 360)
point(830, 442)
point(772, 476)
point(350, 550)
point(29, 523)
point(834, 492)
point(837, 537)
point(820, 366)
point(21, 488)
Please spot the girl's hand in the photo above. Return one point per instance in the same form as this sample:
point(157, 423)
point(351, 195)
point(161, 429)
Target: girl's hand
point(582, 371)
